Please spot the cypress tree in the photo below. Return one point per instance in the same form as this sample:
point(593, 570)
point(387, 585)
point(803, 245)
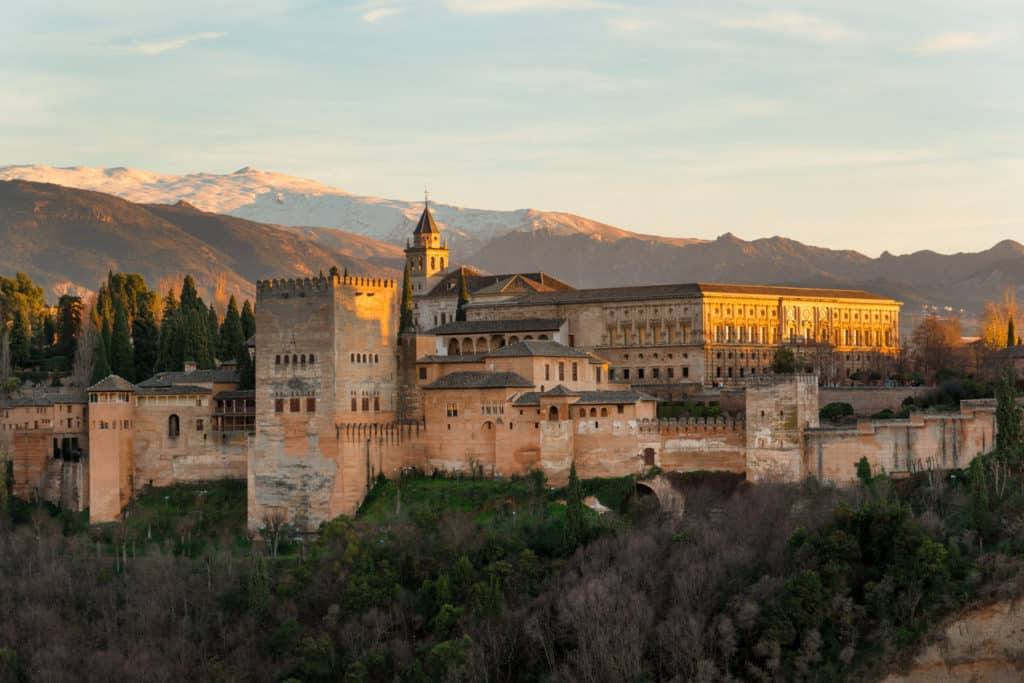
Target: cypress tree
point(460, 310)
point(1011, 336)
point(21, 331)
point(407, 323)
point(213, 334)
point(574, 512)
point(189, 295)
point(168, 349)
point(69, 321)
point(246, 369)
point(232, 334)
point(145, 341)
point(100, 361)
point(248, 320)
point(334, 272)
point(122, 360)
point(1009, 434)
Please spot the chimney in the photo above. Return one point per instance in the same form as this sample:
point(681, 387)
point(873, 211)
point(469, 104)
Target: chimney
point(190, 366)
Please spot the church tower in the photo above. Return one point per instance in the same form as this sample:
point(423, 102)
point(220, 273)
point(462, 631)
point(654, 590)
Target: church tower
point(427, 256)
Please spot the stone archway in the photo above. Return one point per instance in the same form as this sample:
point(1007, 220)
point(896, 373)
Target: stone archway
point(669, 499)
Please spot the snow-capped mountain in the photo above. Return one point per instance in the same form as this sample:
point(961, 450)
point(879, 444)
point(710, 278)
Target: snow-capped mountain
point(286, 200)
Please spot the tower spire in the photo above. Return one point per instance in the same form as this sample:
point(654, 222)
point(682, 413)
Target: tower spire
point(426, 198)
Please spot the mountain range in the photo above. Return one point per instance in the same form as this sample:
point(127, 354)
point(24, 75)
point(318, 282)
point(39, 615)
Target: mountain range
point(281, 225)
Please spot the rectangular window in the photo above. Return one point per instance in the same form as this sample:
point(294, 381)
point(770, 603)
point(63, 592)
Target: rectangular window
point(310, 405)
point(199, 424)
point(452, 409)
point(620, 409)
point(547, 372)
point(655, 373)
point(686, 372)
point(423, 373)
point(640, 373)
point(671, 372)
point(598, 374)
point(561, 371)
point(575, 372)
point(354, 407)
point(293, 405)
point(625, 373)
point(611, 374)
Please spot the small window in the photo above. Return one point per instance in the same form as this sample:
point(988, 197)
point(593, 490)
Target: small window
point(310, 405)
point(354, 407)
point(561, 371)
point(575, 372)
point(604, 412)
point(625, 373)
point(620, 409)
point(199, 424)
point(302, 359)
point(366, 404)
point(277, 359)
point(311, 361)
point(173, 426)
point(423, 373)
point(278, 405)
point(286, 359)
point(451, 409)
point(293, 405)
point(376, 403)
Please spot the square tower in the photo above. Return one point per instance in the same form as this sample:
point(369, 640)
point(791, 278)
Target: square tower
point(427, 256)
point(325, 354)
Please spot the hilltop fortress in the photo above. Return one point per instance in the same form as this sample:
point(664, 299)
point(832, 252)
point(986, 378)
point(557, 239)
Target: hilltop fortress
point(525, 373)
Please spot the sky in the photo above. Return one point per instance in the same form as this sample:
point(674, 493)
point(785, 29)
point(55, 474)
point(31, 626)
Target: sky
point(853, 124)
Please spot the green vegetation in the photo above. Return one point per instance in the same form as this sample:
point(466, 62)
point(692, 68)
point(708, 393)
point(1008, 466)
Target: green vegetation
point(836, 412)
point(784, 362)
point(678, 409)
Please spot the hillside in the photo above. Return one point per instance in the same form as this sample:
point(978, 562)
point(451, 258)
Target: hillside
point(68, 239)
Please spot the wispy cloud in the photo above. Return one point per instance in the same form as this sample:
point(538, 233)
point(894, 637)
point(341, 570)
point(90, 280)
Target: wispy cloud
point(952, 42)
point(794, 25)
point(631, 25)
point(516, 6)
point(157, 47)
point(378, 14)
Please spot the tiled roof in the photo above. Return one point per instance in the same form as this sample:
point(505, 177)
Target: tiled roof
point(488, 326)
point(112, 383)
point(536, 347)
point(480, 283)
point(480, 380)
point(218, 375)
point(688, 290)
point(241, 393)
point(426, 226)
point(532, 398)
point(465, 358)
point(173, 390)
point(560, 390)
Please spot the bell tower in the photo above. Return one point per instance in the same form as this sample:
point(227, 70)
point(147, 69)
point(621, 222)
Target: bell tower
point(427, 255)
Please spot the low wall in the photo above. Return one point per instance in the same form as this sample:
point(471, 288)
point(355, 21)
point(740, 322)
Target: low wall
point(867, 401)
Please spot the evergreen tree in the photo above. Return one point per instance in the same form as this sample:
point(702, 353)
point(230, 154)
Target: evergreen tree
point(246, 369)
point(574, 509)
point(248, 320)
point(69, 321)
point(460, 310)
point(1009, 432)
point(168, 351)
point(145, 341)
point(1011, 336)
point(334, 272)
point(232, 334)
point(122, 359)
point(784, 362)
point(213, 328)
point(407, 323)
point(21, 334)
point(100, 361)
point(189, 295)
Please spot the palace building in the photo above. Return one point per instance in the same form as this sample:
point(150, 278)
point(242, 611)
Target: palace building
point(531, 374)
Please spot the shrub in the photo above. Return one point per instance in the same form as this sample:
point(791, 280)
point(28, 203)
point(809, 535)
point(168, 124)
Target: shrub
point(836, 411)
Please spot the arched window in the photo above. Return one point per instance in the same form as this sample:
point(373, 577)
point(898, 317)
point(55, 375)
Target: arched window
point(173, 427)
point(351, 358)
point(277, 359)
point(433, 263)
point(453, 347)
point(553, 414)
point(593, 412)
point(295, 359)
point(354, 406)
point(286, 359)
point(302, 359)
point(376, 403)
point(376, 358)
point(604, 412)
point(311, 361)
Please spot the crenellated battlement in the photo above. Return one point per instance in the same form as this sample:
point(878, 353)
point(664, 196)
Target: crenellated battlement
point(284, 288)
point(686, 425)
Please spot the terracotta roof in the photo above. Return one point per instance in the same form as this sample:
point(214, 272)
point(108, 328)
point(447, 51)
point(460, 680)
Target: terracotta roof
point(480, 380)
point(426, 226)
point(532, 398)
point(219, 375)
point(112, 383)
point(488, 326)
point(688, 290)
point(560, 390)
point(537, 347)
point(481, 283)
point(173, 390)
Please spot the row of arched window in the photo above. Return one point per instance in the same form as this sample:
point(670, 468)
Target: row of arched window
point(363, 402)
point(294, 359)
point(364, 358)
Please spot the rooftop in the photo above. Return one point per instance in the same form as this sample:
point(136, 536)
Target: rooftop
point(481, 283)
point(537, 347)
point(689, 290)
point(532, 398)
point(426, 226)
point(489, 326)
point(217, 375)
point(480, 380)
point(112, 383)
point(173, 390)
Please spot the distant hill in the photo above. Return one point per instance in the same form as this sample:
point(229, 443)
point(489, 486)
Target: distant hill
point(964, 280)
point(67, 239)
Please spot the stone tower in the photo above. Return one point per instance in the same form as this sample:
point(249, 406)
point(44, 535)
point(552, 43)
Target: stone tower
point(111, 465)
point(427, 255)
point(325, 355)
point(778, 410)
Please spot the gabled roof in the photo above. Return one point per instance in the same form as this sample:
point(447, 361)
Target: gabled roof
point(532, 398)
point(537, 347)
point(173, 390)
point(481, 283)
point(480, 380)
point(112, 383)
point(426, 226)
point(489, 326)
point(218, 375)
point(560, 390)
point(689, 290)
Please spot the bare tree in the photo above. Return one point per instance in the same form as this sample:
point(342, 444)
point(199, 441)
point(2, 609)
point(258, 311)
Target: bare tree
point(274, 524)
point(81, 368)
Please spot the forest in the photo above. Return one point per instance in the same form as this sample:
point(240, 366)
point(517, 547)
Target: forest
point(479, 579)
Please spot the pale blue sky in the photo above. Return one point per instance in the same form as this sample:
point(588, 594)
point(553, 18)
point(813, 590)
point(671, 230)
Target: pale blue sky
point(849, 124)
